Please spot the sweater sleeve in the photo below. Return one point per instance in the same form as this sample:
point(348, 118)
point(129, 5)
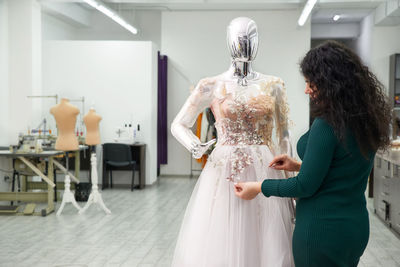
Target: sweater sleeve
point(314, 168)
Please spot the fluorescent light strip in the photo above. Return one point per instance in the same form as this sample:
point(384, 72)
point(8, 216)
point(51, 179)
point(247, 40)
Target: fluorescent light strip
point(306, 11)
point(109, 13)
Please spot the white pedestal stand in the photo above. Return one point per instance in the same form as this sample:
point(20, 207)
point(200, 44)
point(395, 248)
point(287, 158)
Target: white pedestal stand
point(95, 196)
point(68, 196)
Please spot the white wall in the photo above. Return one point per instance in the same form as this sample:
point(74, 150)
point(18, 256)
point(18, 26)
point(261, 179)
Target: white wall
point(4, 92)
point(103, 28)
point(363, 43)
point(56, 29)
point(196, 46)
point(24, 54)
point(335, 30)
point(20, 71)
point(119, 76)
point(385, 42)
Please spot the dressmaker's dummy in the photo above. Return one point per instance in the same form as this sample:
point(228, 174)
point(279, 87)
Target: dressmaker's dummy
point(92, 120)
point(218, 229)
point(242, 41)
point(65, 114)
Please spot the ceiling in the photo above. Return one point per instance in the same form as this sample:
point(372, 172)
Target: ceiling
point(350, 10)
point(325, 15)
point(231, 4)
point(174, 5)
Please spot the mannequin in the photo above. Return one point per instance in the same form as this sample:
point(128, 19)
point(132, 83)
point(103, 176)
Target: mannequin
point(219, 229)
point(92, 120)
point(242, 42)
point(65, 114)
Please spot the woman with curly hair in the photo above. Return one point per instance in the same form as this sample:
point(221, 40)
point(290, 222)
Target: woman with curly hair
point(352, 123)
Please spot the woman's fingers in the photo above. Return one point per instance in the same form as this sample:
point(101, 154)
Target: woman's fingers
point(238, 187)
point(278, 160)
point(279, 167)
point(245, 190)
point(238, 190)
point(273, 161)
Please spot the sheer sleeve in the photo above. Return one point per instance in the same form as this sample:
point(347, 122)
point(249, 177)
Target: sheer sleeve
point(281, 117)
point(198, 100)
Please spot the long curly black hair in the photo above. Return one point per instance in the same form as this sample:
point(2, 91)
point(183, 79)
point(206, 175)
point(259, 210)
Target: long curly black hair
point(347, 95)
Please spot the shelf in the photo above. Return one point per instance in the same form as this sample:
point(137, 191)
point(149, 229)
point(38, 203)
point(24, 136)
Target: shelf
point(9, 209)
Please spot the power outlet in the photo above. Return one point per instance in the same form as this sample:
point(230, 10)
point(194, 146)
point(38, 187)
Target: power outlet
point(6, 178)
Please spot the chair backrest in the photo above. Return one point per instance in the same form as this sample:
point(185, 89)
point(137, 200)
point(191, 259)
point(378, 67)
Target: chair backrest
point(117, 152)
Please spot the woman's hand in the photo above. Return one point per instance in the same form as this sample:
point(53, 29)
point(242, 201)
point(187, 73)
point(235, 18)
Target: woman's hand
point(285, 163)
point(247, 190)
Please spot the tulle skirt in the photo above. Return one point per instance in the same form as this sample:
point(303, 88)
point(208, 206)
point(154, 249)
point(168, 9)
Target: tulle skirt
point(222, 230)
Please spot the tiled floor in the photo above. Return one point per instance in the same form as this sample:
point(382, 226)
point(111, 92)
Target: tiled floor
point(141, 232)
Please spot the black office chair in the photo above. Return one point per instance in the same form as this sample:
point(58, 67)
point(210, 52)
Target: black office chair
point(118, 155)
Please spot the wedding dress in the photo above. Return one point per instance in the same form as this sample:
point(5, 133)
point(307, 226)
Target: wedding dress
point(220, 229)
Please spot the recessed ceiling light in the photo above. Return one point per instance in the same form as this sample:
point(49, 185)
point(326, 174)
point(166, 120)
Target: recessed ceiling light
point(336, 17)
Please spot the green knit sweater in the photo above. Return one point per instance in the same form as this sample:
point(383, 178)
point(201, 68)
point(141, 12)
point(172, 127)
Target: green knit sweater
point(328, 168)
point(332, 225)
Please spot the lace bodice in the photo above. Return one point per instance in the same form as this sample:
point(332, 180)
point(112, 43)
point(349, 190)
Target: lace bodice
point(244, 119)
point(245, 115)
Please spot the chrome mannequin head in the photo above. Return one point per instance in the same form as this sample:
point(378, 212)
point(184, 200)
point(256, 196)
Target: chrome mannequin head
point(242, 39)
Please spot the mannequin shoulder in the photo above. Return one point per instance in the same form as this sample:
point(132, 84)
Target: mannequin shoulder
point(92, 116)
point(91, 120)
point(98, 117)
point(208, 85)
point(272, 84)
point(75, 110)
point(271, 80)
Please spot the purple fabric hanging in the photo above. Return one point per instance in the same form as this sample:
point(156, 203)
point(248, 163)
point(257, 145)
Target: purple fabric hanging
point(162, 129)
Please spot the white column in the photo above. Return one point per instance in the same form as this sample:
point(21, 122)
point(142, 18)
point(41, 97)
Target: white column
point(24, 65)
point(3, 73)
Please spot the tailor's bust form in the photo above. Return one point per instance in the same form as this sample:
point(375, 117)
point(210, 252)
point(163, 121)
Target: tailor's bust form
point(245, 103)
point(65, 114)
point(92, 121)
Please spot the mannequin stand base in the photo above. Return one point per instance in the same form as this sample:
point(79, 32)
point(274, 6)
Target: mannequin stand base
point(68, 197)
point(95, 196)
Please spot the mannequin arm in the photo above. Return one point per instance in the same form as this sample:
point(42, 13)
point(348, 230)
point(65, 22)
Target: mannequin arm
point(199, 99)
